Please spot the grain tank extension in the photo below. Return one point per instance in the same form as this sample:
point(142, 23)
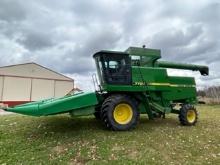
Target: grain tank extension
point(131, 83)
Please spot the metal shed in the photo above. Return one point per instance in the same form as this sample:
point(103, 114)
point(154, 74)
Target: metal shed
point(31, 82)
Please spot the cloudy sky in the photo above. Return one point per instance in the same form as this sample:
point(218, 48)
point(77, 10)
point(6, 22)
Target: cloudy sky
point(63, 35)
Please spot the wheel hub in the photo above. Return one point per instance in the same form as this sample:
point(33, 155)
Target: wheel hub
point(123, 113)
point(191, 116)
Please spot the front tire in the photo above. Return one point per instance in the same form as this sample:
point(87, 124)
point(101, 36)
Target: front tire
point(188, 115)
point(119, 113)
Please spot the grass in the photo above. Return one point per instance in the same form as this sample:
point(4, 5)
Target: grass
point(61, 139)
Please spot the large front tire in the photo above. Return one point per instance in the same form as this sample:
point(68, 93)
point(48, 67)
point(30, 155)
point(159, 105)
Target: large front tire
point(188, 115)
point(119, 113)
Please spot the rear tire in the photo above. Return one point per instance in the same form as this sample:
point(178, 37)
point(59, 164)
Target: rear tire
point(188, 115)
point(119, 113)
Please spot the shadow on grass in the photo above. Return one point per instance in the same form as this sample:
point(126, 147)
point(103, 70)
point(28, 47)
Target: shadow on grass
point(64, 124)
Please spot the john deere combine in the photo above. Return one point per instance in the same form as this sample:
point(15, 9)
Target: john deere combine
point(131, 83)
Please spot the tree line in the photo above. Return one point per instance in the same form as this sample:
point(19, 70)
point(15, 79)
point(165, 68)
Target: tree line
point(210, 94)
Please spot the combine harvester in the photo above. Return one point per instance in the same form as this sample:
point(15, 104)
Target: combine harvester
point(131, 83)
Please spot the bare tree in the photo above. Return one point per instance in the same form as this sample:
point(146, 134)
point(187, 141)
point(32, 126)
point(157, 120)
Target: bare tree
point(211, 93)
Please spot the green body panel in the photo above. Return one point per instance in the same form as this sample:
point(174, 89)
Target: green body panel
point(155, 53)
point(59, 105)
point(148, 75)
point(83, 111)
point(147, 56)
point(156, 80)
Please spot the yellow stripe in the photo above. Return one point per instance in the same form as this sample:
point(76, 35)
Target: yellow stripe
point(170, 85)
point(160, 84)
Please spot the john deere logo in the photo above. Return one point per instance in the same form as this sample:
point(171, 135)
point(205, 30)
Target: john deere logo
point(139, 83)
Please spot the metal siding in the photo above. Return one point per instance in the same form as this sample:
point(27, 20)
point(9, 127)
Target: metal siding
point(1, 87)
point(42, 89)
point(62, 88)
point(16, 89)
point(31, 82)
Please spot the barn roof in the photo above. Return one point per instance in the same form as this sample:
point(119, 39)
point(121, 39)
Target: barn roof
point(32, 70)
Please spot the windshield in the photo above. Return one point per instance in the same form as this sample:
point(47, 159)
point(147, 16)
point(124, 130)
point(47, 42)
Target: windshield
point(114, 68)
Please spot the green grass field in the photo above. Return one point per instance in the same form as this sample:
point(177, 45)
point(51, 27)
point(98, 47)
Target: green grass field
point(64, 140)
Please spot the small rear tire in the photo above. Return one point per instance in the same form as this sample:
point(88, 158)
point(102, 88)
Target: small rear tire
point(188, 115)
point(119, 113)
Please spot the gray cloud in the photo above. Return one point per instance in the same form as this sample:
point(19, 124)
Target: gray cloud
point(63, 35)
point(34, 40)
point(172, 37)
point(12, 11)
point(210, 13)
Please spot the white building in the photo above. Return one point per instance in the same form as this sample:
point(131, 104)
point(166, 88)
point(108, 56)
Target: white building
point(31, 82)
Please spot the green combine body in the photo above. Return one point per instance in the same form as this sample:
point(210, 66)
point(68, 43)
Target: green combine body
point(131, 83)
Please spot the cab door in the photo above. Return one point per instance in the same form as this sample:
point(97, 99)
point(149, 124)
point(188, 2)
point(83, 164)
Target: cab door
point(117, 69)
